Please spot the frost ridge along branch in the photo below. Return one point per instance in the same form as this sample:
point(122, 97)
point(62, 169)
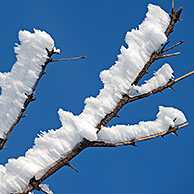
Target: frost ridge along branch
point(64, 161)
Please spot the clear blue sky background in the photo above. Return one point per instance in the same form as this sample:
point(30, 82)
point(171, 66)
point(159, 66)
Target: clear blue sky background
point(97, 29)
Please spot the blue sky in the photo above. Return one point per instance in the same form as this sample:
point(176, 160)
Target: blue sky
point(97, 29)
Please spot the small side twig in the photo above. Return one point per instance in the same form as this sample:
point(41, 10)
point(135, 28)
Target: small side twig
point(173, 10)
point(68, 164)
point(179, 43)
point(164, 46)
point(168, 55)
point(67, 59)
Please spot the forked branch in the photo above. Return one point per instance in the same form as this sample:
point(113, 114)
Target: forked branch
point(134, 141)
point(125, 99)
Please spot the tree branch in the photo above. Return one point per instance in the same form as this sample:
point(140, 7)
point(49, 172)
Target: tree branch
point(68, 59)
point(132, 142)
point(30, 98)
point(179, 43)
point(125, 99)
point(85, 143)
point(168, 55)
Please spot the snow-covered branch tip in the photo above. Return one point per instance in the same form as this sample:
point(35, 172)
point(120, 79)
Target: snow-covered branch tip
point(134, 141)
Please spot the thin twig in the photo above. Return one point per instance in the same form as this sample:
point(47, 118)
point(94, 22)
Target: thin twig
point(68, 164)
point(184, 76)
point(164, 46)
point(168, 55)
point(179, 43)
point(67, 59)
point(173, 10)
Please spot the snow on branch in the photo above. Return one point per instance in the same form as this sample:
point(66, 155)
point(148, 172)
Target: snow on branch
point(17, 85)
point(160, 78)
point(167, 117)
point(55, 148)
point(117, 80)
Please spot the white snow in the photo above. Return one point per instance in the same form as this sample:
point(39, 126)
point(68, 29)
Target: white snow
point(52, 145)
point(117, 80)
point(49, 147)
point(160, 78)
point(30, 54)
point(166, 117)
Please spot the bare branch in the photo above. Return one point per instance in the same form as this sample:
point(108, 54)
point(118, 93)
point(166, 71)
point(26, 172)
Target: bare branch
point(179, 43)
point(168, 55)
point(68, 59)
point(164, 46)
point(173, 10)
point(184, 76)
point(68, 164)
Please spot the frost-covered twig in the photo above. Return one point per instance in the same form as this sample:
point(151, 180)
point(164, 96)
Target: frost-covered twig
point(168, 55)
point(134, 141)
point(67, 59)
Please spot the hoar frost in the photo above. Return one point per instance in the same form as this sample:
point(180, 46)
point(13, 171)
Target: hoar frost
point(30, 54)
point(52, 145)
